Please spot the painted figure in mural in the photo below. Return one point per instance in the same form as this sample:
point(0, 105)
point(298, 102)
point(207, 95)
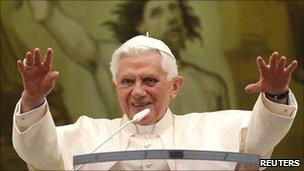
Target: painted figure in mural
point(170, 21)
point(82, 48)
point(174, 23)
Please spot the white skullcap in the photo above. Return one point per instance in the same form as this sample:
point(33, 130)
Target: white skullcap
point(150, 43)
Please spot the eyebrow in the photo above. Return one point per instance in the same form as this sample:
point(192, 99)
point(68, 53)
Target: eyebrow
point(124, 77)
point(150, 75)
point(143, 76)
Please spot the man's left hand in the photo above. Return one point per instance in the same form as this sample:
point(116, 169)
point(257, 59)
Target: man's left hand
point(274, 77)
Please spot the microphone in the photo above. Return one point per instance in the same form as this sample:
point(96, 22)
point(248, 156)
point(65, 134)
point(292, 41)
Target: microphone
point(136, 118)
point(140, 115)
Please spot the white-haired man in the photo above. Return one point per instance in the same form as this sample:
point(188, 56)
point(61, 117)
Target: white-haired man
point(145, 76)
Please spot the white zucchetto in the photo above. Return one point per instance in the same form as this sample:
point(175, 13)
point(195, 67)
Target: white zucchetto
point(148, 42)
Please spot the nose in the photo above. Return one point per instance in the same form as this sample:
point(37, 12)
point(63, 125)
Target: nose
point(138, 91)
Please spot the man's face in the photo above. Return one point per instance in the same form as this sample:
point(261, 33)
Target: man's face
point(142, 83)
point(163, 19)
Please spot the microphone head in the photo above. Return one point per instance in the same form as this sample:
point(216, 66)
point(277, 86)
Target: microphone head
point(140, 115)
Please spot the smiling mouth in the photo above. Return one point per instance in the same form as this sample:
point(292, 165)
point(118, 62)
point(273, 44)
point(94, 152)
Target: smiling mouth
point(140, 105)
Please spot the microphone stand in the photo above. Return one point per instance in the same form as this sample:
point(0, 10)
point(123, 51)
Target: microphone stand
point(136, 118)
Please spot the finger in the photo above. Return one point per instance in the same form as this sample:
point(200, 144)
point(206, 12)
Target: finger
point(291, 67)
point(28, 59)
point(48, 62)
point(261, 65)
point(273, 61)
point(37, 60)
point(51, 79)
point(256, 87)
point(53, 76)
point(253, 88)
point(20, 67)
point(282, 63)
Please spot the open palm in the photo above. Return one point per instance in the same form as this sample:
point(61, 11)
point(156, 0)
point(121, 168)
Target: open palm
point(274, 77)
point(38, 78)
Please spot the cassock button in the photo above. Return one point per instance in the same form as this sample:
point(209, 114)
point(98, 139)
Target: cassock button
point(147, 136)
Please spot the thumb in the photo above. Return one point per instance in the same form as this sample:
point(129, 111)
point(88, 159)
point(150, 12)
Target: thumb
point(53, 76)
point(253, 88)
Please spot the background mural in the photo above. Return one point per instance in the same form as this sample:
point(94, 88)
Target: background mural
point(215, 42)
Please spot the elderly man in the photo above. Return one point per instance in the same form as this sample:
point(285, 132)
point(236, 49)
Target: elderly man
point(145, 76)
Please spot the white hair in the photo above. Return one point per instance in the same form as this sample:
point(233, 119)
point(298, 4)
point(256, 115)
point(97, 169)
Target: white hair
point(168, 62)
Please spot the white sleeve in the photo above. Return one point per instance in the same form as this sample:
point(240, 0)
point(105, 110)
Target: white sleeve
point(25, 120)
point(281, 109)
point(268, 125)
point(37, 144)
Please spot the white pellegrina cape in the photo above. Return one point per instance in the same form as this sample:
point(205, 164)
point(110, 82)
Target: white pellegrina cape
point(46, 147)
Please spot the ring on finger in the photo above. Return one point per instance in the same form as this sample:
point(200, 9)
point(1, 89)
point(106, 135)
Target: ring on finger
point(24, 63)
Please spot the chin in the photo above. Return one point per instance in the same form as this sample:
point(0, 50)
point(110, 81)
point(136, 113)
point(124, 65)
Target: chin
point(144, 123)
point(134, 110)
point(146, 120)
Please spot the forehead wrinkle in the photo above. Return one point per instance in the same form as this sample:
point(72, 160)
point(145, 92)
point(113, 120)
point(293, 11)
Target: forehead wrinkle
point(142, 72)
point(142, 68)
point(141, 59)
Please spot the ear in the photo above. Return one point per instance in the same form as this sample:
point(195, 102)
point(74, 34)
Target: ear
point(177, 85)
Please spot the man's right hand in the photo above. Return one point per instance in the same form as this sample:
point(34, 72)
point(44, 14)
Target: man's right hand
point(38, 78)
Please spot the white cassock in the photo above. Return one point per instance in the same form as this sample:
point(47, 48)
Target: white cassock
point(43, 146)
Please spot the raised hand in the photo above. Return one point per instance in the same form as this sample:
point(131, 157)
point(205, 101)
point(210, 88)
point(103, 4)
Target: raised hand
point(38, 78)
point(274, 77)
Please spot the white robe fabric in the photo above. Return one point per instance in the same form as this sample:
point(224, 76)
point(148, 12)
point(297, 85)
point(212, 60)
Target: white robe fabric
point(43, 146)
